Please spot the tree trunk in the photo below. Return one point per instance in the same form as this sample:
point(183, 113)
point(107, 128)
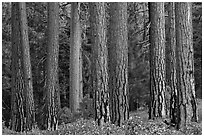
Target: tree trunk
point(157, 60)
point(57, 92)
point(187, 107)
point(75, 59)
point(28, 90)
point(22, 103)
point(171, 89)
point(100, 65)
point(52, 66)
point(17, 99)
point(118, 63)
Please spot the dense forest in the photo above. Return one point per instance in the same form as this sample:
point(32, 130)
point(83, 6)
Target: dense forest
point(102, 68)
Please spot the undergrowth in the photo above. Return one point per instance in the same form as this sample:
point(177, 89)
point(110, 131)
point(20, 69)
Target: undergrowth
point(136, 125)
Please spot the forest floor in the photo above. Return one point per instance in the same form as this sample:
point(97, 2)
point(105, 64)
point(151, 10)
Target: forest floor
point(138, 124)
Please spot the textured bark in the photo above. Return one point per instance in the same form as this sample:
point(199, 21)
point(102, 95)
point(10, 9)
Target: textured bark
point(80, 76)
point(28, 90)
point(17, 115)
point(144, 7)
point(75, 59)
point(171, 63)
point(52, 66)
point(22, 104)
point(57, 92)
point(187, 108)
point(157, 60)
point(99, 62)
point(118, 63)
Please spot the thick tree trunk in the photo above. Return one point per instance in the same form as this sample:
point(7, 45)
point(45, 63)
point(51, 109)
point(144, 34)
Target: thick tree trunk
point(118, 63)
point(171, 64)
point(22, 104)
point(17, 110)
point(99, 62)
point(157, 60)
point(75, 59)
point(52, 66)
point(28, 90)
point(187, 107)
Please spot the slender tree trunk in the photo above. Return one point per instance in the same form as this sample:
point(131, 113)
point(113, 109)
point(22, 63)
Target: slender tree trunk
point(52, 66)
point(157, 60)
point(75, 59)
point(118, 63)
point(171, 64)
point(28, 90)
point(100, 65)
point(187, 107)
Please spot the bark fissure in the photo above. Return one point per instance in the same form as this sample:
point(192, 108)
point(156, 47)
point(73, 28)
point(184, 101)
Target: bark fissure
point(118, 63)
point(52, 67)
point(157, 60)
point(185, 65)
point(22, 104)
point(99, 62)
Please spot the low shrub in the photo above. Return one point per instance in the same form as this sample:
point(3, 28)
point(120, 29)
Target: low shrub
point(87, 108)
point(65, 115)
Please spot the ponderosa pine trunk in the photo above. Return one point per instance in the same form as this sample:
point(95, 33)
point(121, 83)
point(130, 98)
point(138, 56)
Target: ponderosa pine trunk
point(52, 66)
point(99, 62)
point(23, 115)
point(157, 60)
point(76, 93)
point(118, 63)
point(187, 107)
point(17, 98)
point(28, 82)
point(171, 64)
